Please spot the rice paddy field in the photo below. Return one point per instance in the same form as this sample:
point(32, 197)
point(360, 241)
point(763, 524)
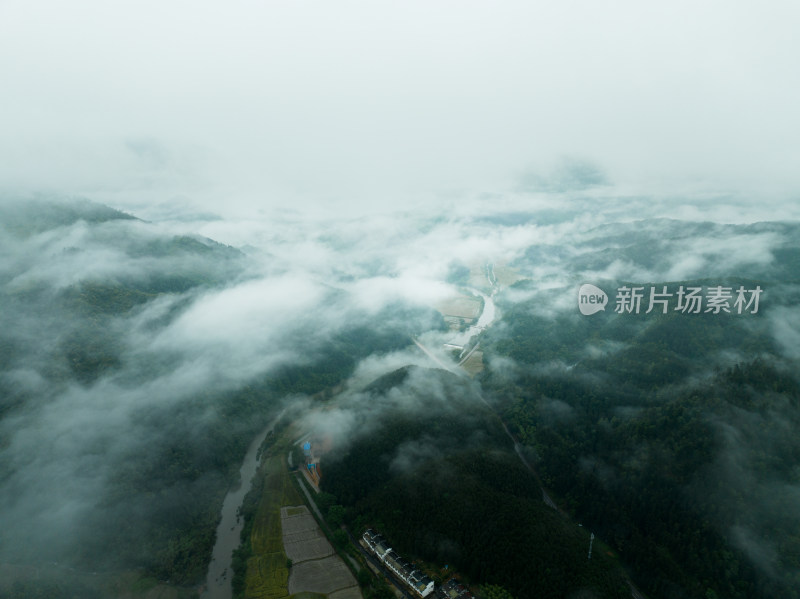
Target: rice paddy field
point(291, 555)
point(268, 569)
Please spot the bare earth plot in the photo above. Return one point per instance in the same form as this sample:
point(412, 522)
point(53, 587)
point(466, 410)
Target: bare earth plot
point(326, 575)
point(348, 593)
point(315, 566)
point(474, 364)
point(302, 539)
point(462, 306)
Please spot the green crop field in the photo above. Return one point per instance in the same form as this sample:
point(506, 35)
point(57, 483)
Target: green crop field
point(267, 570)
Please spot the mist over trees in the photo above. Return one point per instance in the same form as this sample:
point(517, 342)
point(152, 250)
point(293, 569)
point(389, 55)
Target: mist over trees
point(672, 435)
point(214, 214)
point(120, 435)
point(139, 359)
point(437, 474)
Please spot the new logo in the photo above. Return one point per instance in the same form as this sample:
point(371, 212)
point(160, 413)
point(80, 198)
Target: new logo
point(591, 299)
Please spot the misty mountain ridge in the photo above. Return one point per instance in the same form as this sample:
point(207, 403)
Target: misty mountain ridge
point(138, 362)
point(228, 227)
point(25, 217)
point(119, 388)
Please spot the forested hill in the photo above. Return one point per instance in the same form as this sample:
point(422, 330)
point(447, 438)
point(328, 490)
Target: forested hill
point(73, 269)
point(437, 474)
point(29, 216)
point(674, 436)
point(136, 366)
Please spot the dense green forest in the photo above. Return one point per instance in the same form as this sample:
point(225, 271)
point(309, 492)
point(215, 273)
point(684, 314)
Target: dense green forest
point(444, 485)
point(672, 436)
point(638, 476)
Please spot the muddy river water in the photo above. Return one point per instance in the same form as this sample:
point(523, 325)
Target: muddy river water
point(218, 581)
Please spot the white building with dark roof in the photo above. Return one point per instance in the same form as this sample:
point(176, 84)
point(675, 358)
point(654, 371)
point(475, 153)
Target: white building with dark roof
point(407, 572)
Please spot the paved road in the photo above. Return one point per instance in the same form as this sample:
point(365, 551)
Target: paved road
point(311, 501)
point(465, 358)
point(314, 507)
point(438, 362)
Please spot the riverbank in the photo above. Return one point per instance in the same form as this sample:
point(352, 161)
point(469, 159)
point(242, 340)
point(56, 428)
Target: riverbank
point(283, 551)
point(228, 535)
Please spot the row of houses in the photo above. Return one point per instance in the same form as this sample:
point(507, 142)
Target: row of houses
point(413, 578)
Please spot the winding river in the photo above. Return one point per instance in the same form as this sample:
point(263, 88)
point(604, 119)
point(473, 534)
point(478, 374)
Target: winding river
point(218, 581)
point(486, 318)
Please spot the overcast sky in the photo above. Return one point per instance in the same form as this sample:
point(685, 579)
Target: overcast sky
point(245, 104)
